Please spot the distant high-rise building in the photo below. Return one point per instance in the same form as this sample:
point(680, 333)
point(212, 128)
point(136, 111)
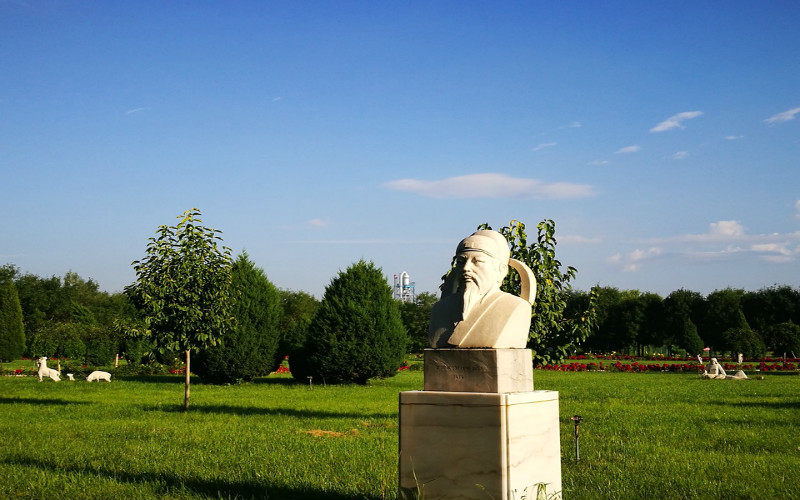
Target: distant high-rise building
point(403, 289)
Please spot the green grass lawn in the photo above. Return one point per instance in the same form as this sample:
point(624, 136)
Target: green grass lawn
point(649, 435)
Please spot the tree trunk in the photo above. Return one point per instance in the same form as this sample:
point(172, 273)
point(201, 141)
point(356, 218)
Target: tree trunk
point(188, 373)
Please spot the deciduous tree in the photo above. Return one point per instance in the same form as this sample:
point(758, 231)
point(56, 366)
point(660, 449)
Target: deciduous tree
point(183, 288)
point(553, 334)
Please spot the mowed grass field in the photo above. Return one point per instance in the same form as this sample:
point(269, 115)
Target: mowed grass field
point(644, 436)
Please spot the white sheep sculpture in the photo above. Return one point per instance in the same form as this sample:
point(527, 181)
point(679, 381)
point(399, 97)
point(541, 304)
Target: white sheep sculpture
point(44, 371)
point(98, 375)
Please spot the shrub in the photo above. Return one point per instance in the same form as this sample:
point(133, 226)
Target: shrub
point(745, 341)
point(786, 338)
point(248, 350)
point(357, 333)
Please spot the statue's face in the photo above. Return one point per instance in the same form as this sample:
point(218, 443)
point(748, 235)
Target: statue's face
point(479, 270)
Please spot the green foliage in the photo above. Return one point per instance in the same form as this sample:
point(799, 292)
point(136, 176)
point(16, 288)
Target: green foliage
point(722, 312)
point(101, 346)
point(297, 311)
point(553, 335)
point(356, 334)
point(58, 340)
point(183, 286)
point(686, 337)
point(250, 349)
point(771, 306)
point(415, 316)
point(785, 339)
point(12, 330)
point(745, 341)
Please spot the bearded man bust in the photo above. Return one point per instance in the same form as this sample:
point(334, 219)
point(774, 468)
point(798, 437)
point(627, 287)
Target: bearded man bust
point(473, 312)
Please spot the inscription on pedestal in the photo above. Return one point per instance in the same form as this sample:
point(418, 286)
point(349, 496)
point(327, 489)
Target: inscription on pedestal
point(478, 370)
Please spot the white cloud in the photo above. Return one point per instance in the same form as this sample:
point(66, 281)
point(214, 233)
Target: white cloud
point(726, 228)
point(599, 162)
point(629, 149)
point(680, 155)
point(733, 137)
point(728, 237)
point(136, 111)
point(492, 185)
point(797, 209)
point(783, 117)
point(575, 124)
point(632, 261)
point(545, 145)
point(674, 121)
point(318, 222)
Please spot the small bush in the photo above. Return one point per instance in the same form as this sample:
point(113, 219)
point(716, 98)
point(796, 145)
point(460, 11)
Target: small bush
point(745, 341)
point(786, 338)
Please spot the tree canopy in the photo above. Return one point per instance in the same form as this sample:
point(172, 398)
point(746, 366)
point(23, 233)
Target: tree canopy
point(183, 288)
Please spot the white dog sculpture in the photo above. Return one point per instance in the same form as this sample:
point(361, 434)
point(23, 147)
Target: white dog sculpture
point(98, 375)
point(44, 371)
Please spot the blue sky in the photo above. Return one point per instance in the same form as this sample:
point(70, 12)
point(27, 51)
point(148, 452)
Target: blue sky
point(663, 138)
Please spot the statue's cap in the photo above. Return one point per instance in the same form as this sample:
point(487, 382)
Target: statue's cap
point(486, 241)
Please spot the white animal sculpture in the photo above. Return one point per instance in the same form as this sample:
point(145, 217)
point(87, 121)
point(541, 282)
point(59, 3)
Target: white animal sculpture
point(44, 371)
point(70, 377)
point(98, 375)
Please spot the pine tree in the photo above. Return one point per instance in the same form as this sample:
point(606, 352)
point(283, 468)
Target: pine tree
point(357, 333)
point(249, 350)
point(12, 333)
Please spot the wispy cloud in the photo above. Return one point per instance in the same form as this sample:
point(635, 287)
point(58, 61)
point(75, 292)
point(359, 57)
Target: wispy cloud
point(629, 149)
point(726, 239)
point(545, 145)
point(571, 125)
point(680, 155)
point(633, 261)
point(599, 162)
point(492, 185)
point(783, 117)
point(733, 137)
point(675, 121)
point(797, 209)
point(318, 222)
point(135, 111)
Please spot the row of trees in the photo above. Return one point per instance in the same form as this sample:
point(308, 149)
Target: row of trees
point(191, 297)
point(731, 320)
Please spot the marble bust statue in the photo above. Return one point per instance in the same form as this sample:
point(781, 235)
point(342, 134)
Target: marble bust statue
point(473, 312)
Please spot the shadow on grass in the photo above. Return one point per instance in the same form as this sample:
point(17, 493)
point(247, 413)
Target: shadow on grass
point(43, 401)
point(772, 405)
point(153, 379)
point(179, 379)
point(274, 412)
point(165, 483)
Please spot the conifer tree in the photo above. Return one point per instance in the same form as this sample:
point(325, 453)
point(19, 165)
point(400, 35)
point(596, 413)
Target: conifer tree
point(249, 349)
point(12, 333)
point(356, 333)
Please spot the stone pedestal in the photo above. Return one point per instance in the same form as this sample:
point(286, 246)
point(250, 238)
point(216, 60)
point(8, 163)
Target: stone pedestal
point(468, 445)
point(478, 370)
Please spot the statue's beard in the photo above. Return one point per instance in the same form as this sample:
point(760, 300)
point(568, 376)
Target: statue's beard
point(471, 294)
